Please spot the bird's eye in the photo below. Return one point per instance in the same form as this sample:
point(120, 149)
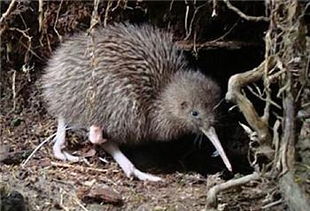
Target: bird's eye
point(195, 113)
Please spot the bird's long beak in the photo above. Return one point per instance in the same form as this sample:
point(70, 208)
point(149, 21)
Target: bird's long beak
point(211, 134)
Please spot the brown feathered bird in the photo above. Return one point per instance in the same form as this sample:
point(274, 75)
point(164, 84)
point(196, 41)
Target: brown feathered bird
point(130, 83)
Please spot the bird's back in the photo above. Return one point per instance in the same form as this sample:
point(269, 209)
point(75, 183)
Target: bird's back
point(112, 80)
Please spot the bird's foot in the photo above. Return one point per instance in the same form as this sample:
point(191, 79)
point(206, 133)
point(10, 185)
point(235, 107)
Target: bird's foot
point(129, 169)
point(145, 176)
point(60, 141)
point(63, 155)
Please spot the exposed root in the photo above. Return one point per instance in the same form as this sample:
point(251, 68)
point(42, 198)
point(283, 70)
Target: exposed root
point(212, 193)
point(236, 82)
point(286, 62)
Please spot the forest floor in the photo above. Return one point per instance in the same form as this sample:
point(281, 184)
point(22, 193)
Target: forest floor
point(44, 183)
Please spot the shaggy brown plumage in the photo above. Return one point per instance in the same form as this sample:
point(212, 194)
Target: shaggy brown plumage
point(140, 83)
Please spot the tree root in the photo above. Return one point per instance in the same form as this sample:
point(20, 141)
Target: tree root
point(211, 196)
point(259, 124)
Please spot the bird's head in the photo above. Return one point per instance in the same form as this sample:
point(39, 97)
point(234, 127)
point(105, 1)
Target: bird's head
point(190, 100)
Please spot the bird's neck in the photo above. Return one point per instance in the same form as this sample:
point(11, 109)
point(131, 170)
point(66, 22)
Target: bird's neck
point(163, 125)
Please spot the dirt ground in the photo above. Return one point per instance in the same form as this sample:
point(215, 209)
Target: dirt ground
point(45, 183)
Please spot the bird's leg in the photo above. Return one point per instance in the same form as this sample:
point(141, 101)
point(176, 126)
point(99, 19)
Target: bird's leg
point(60, 143)
point(95, 135)
point(126, 165)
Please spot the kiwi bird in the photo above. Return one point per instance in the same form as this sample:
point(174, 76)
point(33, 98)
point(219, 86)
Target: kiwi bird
point(127, 84)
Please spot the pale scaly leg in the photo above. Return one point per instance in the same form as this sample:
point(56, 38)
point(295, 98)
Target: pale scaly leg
point(126, 165)
point(95, 135)
point(60, 143)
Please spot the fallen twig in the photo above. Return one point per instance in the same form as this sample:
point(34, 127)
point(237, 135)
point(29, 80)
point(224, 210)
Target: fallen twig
point(272, 204)
point(212, 193)
point(79, 168)
point(37, 148)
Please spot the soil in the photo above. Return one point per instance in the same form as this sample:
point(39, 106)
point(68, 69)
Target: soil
point(45, 183)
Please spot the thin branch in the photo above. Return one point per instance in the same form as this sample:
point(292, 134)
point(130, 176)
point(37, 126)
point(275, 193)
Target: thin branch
point(106, 14)
point(56, 21)
point(272, 204)
point(186, 19)
point(171, 5)
point(23, 20)
point(214, 8)
point(37, 148)
point(117, 5)
point(226, 33)
point(211, 195)
point(244, 16)
point(188, 33)
point(40, 18)
point(80, 204)
point(23, 32)
point(266, 80)
point(189, 45)
point(276, 144)
point(95, 17)
point(79, 168)
point(14, 89)
point(8, 11)
point(267, 100)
